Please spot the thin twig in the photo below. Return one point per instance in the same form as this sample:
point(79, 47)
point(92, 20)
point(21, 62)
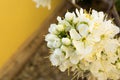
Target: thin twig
point(111, 4)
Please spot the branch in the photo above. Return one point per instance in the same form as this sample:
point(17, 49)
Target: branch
point(116, 16)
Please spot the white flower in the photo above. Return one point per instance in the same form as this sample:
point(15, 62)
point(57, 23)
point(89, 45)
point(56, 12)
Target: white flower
point(68, 50)
point(83, 29)
point(50, 37)
point(74, 59)
point(60, 27)
point(57, 43)
point(53, 41)
point(54, 60)
point(59, 19)
point(85, 43)
point(53, 29)
point(69, 16)
point(65, 65)
point(82, 48)
point(111, 45)
point(74, 34)
point(50, 44)
point(66, 41)
point(43, 3)
point(57, 57)
point(79, 13)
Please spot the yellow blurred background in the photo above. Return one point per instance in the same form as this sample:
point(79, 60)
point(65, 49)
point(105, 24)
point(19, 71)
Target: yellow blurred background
point(18, 20)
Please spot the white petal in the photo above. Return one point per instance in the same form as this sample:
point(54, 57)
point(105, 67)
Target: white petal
point(57, 43)
point(74, 59)
point(50, 44)
point(66, 41)
point(54, 60)
point(94, 14)
point(81, 11)
point(53, 29)
point(68, 51)
point(77, 12)
point(62, 68)
point(60, 27)
point(69, 16)
point(111, 45)
point(66, 64)
point(59, 19)
point(81, 48)
point(57, 51)
point(83, 29)
point(75, 20)
point(101, 16)
point(74, 34)
point(50, 37)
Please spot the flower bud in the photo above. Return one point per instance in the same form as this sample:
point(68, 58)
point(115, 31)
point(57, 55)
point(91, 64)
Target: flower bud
point(54, 60)
point(56, 43)
point(74, 59)
point(57, 51)
point(50, 37)
point(66, 41)
point(59, 19)
point(69, 16)
point(83, 29)
point(60, 27)
point(53, 29)
point(50, 44)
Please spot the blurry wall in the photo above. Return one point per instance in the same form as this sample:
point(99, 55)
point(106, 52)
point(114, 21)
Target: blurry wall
point(18, 20)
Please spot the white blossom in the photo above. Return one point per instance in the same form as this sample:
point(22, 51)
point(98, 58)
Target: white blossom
point(82, 47)
point(65, 65)
point(57, 57)
point(43, 3)
point(69, 16)
point(74, 59)
point(56, 43)
point(83, 29)
point(66, 41)
point(84, 42)
point(50, 44)
point(50, 37)
point(60, 27)
point(53, 29)
point(74, 34)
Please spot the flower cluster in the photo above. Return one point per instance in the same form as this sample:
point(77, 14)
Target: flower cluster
point(85, 44)
point(43, 3)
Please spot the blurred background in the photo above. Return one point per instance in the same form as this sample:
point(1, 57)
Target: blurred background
point(18, 20)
